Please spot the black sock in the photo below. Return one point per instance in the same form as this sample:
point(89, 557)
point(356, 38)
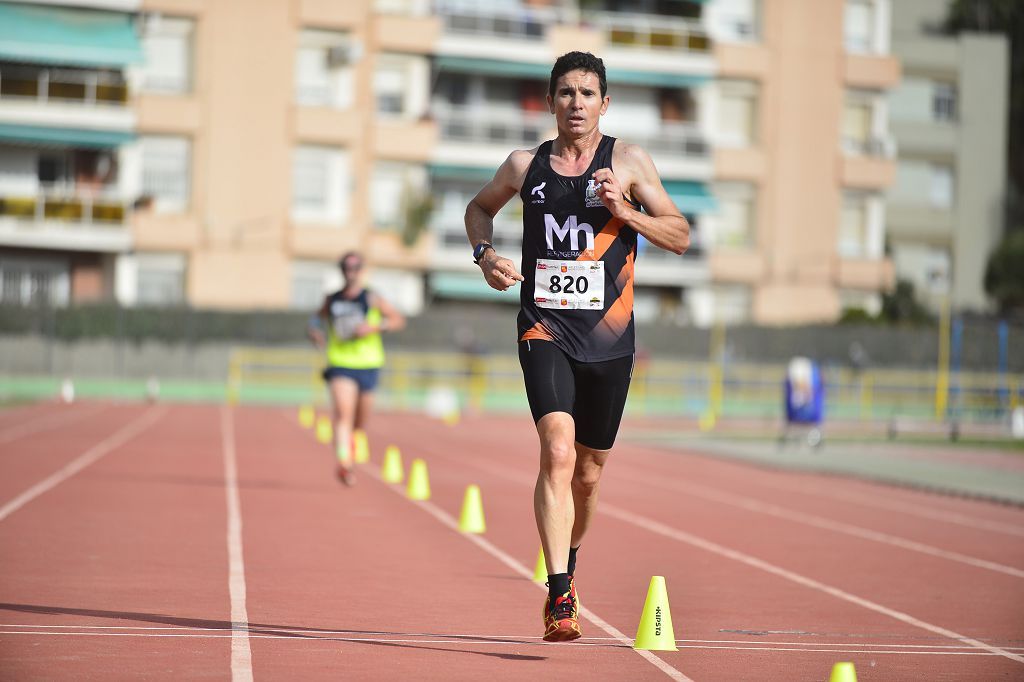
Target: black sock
point(572, 560)
point(558, 584)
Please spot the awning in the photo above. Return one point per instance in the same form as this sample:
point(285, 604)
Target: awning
point(495, 67)
point(62, 35)
point(655, 78)
point(691, 196)
point(64, 137)
point(469, 287)
point(467, 173)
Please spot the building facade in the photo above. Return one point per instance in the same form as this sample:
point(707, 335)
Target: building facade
point(214, 155)
point(949, 116)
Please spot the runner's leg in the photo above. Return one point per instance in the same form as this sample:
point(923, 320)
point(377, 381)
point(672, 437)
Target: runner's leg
point(586, 477)
point(552, 496)
point(344, 395)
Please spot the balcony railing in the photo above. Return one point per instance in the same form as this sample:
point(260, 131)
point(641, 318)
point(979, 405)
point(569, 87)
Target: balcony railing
point(104, 207)
point(26, 83)
point(673, 139)
point(883, 146)
point(491, 126)
point(652, 32)
point(523, 23)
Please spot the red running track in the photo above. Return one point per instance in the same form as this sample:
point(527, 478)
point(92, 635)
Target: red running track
point(200, 541)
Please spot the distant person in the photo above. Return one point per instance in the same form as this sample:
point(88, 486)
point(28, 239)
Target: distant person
point(581, 193)
point(349, 325)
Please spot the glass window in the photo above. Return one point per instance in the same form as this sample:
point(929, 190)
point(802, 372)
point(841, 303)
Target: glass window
point(944, 102)
point(738, 107)
point(320, 184)
point(167, 44)
point(166, 171)
point(736, 20)
point(389, 88)
point(857, 125)
point(161, 279)
point(733, 225)
point(858, 25)
point(941, 188)
point(324, 69)
point(853, 226)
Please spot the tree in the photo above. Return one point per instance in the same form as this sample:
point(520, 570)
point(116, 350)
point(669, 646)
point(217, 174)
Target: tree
point(1004, 275)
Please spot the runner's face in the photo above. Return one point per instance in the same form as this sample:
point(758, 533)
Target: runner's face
point(577, 104)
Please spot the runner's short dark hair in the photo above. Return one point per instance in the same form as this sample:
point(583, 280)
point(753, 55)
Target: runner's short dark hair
point(348, 256)
point(571, 61)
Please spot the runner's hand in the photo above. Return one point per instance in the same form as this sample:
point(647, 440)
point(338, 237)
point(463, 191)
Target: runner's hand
point(363, 329)
point(610, 192)
point(499, 272)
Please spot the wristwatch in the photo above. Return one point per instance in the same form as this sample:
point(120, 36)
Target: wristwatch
point(478, 252)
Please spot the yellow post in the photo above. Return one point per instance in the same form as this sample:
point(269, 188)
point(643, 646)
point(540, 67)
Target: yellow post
point(866, 387)
point(942, 378)
point(716, 372)
point(477, 383)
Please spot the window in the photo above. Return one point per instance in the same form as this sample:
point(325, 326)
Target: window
point(944, 102)
point(738, 107)
point(311, 281)
point(394, 188)
point(940, 193)
point(399, 85)
point(160, 279)
point(858, 26)
point(861, 225)
point(167, 43)
point(320, 184)
point(928, 267)
point(34, 282)
point(856, 125)
point(324, 69)
point(735, 20)
point(166, 171)
point(733, 225)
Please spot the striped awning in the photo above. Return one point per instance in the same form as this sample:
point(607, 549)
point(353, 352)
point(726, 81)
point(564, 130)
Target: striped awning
point(65, 35)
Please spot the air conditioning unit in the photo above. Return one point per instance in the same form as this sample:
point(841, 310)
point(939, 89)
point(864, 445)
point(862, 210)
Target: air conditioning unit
point(343, 55)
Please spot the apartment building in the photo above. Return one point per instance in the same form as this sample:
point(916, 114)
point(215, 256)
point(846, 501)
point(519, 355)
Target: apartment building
point(949, 117)
point(247, 150)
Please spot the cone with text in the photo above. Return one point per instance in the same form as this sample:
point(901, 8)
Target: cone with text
point(392, 471)
point(471, 520)
point(419, 482)
point(360, 446)
point(655, 632)
point(843, 672)
point(540, 569)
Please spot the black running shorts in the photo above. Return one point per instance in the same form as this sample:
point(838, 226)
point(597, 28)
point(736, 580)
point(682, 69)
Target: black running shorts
point(594, 393)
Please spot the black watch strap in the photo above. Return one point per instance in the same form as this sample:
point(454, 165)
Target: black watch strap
point(478, 251)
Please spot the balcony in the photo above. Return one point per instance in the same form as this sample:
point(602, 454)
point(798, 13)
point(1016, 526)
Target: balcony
point(87, 98)
point(652, 32)
point(868, 163)
point(63, 217)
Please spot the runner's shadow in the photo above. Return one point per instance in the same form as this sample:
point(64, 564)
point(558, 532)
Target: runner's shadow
point(283, 631)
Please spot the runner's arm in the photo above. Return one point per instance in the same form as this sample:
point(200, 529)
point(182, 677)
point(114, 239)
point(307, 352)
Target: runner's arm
point(500, 273)
point(662, 225)
point(393, 320)
point(315, 326)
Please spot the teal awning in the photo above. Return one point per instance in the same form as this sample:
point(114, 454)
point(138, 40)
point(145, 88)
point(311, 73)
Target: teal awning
point(62, 35)
point(469, 287)
point(495, 67)
point(691, 196)
point(64, 137)
point(469, 173)
point(655, 78)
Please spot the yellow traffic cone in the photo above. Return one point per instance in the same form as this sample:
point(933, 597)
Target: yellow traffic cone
point(471, 520)
point(540, 569)
point(324, 430)
point(419, 482)
point(361, 446)
point(655, 632)
point(392, 470)
point(307, 415)
point(843, 672)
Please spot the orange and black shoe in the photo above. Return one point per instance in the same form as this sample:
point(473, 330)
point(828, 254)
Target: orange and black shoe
point(562, 619)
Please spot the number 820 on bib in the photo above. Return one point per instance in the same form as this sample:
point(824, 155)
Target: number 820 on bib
point(569, 284)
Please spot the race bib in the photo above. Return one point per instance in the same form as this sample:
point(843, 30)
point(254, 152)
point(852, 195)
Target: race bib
point(569, 284)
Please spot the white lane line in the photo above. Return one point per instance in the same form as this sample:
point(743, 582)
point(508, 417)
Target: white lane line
point(586, 641)
point(241, 654)
point(911, 508)
point(46, 421)
point(97, 451)
point(759, 507)
point(735, 555)
point(519, 568)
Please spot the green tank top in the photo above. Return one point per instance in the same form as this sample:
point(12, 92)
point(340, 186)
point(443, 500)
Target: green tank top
point(343, 316)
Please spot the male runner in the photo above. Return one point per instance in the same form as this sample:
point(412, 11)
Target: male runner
point(355, 318)
point(582, 193)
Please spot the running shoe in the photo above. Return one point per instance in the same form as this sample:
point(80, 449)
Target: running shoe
point(561, 619)
point(346, 476)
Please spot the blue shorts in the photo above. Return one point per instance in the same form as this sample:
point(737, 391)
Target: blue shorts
point(366, 379)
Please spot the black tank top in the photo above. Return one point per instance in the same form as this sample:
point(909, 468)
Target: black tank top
point(566, 226)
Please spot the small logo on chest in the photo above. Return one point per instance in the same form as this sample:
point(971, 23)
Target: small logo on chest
point(536, 192)
point(592, 200)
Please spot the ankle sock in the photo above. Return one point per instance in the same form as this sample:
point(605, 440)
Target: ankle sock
point(558, 584)
point(572, 560)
